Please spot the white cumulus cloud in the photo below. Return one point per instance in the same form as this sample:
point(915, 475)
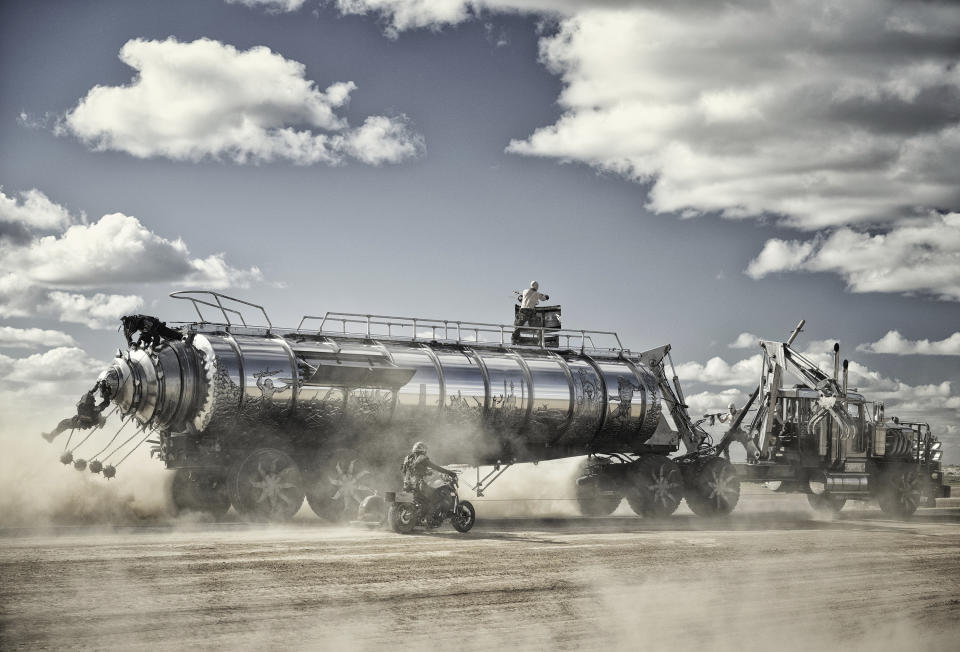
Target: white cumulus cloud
point(118, 249)
point(59, 364)
point(33, 209)
point(715, 402)
point(919, 256)
point(20, 297)
point(718, 371)
point(97, 311)
point(816, 112)
point(895, 343)
point(209, 100)
point(745, 341)
point(33, 338)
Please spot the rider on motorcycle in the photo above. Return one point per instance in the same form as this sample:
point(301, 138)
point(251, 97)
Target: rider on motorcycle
point(416, 466)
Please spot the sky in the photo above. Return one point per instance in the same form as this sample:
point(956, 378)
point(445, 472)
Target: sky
point(682, 174)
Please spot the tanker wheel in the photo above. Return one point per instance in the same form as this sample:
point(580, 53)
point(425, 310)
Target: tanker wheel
point(712, 487)
point(899, 491)
point(655, 486)
point(266, 485)
point(826, 503)
point(200, 491)
point(597, 491)
point(336, 491)
point(595, 500)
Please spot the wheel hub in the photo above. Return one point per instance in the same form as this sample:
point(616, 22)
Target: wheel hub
point(663, 487)
point(350, 484)
point(721, 488)
point(272, 487)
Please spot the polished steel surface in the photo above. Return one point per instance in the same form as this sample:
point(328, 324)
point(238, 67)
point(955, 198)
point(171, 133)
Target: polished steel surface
point(552, 398)
point(269, 374)
point(422, 396)
point(465, 386)
point(525, 395)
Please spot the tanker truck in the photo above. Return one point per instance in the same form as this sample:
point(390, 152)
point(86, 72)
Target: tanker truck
point(259, 417)
point(825, 439)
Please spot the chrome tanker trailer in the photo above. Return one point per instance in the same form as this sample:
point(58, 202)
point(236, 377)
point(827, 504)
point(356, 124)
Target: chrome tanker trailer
point(260, 417)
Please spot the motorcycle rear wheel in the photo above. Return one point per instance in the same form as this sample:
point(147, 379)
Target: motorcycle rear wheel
point(465, 517)
point(402, 517)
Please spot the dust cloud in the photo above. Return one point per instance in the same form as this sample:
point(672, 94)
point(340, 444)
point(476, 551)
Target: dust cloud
point(36, 490)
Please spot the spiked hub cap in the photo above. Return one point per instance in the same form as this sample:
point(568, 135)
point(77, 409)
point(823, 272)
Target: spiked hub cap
point(350, 484)
point(274, 487)
point(664, 485)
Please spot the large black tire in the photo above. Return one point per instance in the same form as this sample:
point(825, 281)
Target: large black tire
point(200, 491)
point(402, 517)
point(598, 492)
point(266, 485)
point(899, 491)
point(337, 487)
point(654, 486)
point(465, 517)
point(826, 503)
point(596, 501)
point(712, 487)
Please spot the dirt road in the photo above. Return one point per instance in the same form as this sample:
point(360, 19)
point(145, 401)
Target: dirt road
point(756, 580)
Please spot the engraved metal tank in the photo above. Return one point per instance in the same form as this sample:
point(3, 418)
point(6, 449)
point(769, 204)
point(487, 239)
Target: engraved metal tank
point(382, 372)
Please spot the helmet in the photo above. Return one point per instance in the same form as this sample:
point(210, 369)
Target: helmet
point(534, 285)
point(732, 406)
point(419, 447)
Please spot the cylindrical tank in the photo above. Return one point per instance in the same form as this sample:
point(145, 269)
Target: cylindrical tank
point(560, 400)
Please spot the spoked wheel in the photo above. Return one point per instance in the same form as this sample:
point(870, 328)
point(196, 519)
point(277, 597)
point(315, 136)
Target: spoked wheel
point(266, 485)
point(712, 487)
point(336, 491)
point(655, 486)
point(402, 517)
point(200, 491)
point(899, 491)
point(465, 517)
point(826, 503)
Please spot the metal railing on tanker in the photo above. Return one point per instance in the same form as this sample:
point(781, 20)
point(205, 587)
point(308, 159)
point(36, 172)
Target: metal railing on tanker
point(451, 331)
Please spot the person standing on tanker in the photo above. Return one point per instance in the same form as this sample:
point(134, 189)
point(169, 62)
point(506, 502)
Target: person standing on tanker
point(416, 467)
point(88, 412)
point(527, 315)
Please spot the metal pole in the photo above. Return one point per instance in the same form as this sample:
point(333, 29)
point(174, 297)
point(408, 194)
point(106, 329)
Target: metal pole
point(796, 331)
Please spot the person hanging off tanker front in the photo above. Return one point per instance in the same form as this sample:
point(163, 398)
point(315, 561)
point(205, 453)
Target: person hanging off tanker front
point(527, 315)
point(88, 412)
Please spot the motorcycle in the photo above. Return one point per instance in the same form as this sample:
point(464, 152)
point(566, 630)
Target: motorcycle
point(406, 510)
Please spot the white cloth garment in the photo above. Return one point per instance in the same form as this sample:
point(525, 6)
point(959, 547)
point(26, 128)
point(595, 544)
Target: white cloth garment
point(531, 298)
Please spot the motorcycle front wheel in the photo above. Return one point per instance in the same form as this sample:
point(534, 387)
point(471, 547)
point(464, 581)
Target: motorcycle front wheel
point(464, 518)
point(402, 517)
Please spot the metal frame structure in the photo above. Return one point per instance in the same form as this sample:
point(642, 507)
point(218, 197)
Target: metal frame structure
point(461, 330)
point(393, 327)
point(186, 295)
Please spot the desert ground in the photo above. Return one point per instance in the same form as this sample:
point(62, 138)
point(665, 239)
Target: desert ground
point(773, 575)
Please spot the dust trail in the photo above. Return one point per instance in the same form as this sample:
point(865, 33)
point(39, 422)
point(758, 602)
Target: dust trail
point(37, 490)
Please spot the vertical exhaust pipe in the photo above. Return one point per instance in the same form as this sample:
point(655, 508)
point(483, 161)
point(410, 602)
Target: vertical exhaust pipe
point(846, 364)
point(836, 362)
